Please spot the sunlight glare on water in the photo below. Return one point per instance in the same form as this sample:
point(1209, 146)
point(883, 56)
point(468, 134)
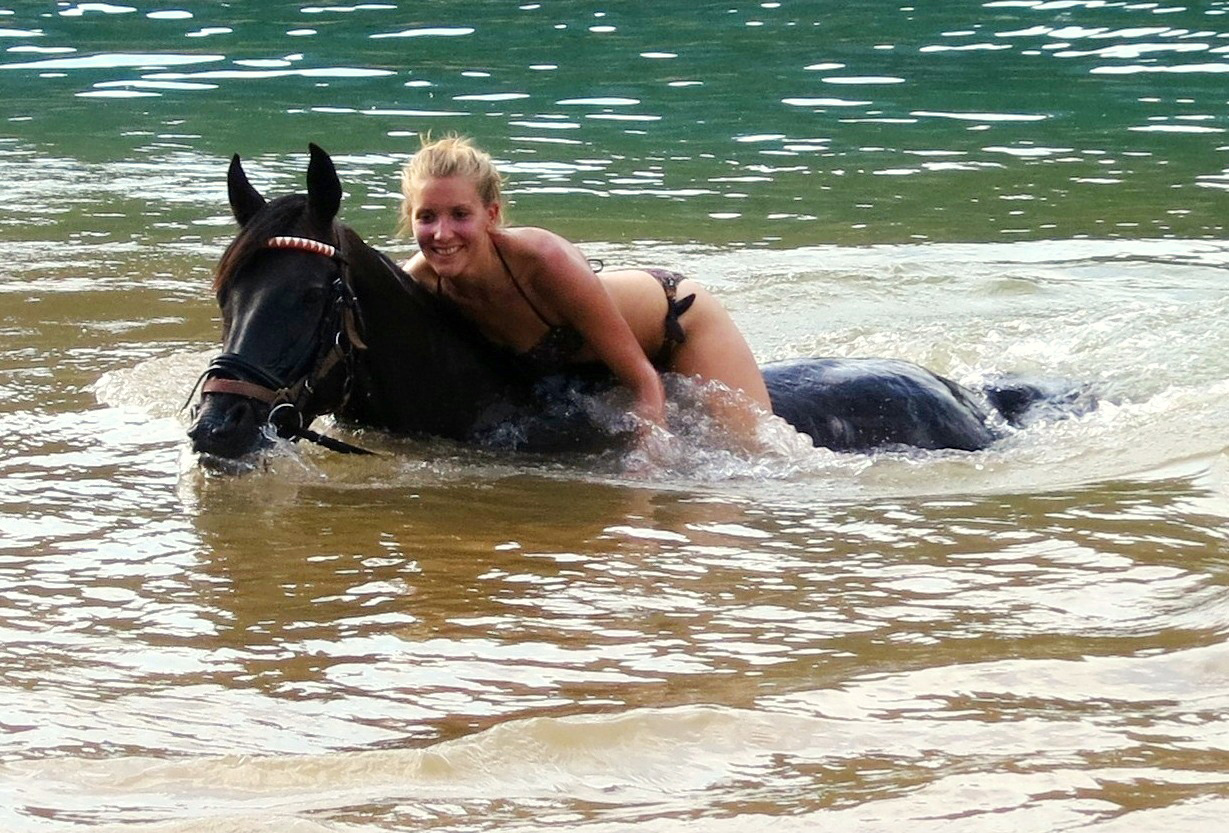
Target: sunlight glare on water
point(1031, 637)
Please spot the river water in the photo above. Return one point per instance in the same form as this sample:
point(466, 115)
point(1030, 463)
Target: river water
point(1030, 638)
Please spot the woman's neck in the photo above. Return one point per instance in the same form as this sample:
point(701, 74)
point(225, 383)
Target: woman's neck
point(482, 278)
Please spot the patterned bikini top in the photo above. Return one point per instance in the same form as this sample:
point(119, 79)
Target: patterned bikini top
point(557, 346)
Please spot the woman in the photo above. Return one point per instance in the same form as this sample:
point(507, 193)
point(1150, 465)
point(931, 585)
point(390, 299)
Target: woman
point(533, 292)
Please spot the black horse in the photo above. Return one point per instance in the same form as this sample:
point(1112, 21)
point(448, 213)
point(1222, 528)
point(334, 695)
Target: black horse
point(315, 321)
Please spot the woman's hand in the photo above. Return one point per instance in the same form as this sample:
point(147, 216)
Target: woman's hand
point(650, 397)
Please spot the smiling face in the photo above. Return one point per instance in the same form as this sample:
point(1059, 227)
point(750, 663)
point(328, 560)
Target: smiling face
point(452, 224)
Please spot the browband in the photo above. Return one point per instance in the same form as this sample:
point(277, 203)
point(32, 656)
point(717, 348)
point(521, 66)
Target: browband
point(303, 244)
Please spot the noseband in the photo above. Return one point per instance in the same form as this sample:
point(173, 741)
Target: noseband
point(243, 378)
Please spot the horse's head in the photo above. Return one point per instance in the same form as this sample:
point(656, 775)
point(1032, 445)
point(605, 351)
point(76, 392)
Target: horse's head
point(288, 316)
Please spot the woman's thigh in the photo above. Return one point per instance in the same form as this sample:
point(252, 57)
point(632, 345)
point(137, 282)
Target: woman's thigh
point(715, 348)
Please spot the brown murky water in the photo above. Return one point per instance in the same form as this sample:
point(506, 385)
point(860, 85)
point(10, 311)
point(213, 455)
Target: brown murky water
point(1027, 638)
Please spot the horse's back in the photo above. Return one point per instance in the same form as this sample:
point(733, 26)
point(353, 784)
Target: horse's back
point(860, 404)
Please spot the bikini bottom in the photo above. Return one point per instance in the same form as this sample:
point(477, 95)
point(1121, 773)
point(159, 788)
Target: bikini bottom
point(675, 307)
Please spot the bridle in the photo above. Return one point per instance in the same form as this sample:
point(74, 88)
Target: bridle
point(289, 400)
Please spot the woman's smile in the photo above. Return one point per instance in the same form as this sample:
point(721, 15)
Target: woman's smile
point(450, 220)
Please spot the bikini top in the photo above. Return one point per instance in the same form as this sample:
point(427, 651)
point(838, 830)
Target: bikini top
point(557, 346)
point(560, 342)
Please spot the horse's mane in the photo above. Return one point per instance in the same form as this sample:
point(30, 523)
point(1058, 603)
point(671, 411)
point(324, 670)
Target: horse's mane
point(278, 217)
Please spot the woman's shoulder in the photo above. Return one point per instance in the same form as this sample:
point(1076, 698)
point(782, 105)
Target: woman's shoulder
point(540, 250)
point(531, 239)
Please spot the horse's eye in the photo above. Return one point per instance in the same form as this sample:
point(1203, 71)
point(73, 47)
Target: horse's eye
point(313, 296)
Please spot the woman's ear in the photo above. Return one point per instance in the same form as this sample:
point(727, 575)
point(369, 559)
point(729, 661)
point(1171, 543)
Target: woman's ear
point(495, 213)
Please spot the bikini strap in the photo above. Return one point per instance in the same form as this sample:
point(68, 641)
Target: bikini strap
point(521, 290)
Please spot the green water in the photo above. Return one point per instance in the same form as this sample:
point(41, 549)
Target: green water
point(770, 123)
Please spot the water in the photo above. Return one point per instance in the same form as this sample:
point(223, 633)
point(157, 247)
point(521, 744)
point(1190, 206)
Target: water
point(1032, 637)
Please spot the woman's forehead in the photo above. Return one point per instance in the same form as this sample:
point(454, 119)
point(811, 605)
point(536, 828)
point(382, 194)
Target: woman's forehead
point(447, 190)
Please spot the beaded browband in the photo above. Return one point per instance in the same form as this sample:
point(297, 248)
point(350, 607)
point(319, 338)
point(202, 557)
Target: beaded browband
point(302, 243)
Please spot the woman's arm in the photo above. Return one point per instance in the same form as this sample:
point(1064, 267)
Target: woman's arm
point(562, 278)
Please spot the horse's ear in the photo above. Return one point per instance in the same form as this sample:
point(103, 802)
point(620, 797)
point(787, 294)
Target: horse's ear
point(245, 200)
point(323, 186)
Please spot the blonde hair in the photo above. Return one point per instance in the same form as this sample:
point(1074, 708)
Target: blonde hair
point(452, 155)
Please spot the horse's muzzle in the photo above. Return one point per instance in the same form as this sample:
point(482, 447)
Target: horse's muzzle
point(228, 426)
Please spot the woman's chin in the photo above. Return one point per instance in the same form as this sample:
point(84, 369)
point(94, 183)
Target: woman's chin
point(447, 266)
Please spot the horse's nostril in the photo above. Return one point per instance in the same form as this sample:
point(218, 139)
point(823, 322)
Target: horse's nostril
point(225, 426)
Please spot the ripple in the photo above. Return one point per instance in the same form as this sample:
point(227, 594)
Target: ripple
point(824, 102)
point(1136, 69)
point(117, 94)
point(622, 117)
point(599, 102)
point(546, 125)
point(1028, 152)
point(81, 9)
point(343, 9)
point(209, 31)
point(869, 80)
point(491, 97)
point(375, 111)
point(114, 60)
point(155, 85)
point(318, 72)
point(1175, 128)
point(433, 32)
point(1137, 50)
point(991, 117)
point(760, 137)
point(972, 47)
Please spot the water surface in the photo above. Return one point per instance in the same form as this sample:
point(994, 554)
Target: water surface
point(1028, 638)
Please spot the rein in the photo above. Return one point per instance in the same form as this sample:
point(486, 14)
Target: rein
point(254, 382)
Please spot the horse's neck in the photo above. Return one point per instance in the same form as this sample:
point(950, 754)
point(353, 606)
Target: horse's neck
point(425, 367)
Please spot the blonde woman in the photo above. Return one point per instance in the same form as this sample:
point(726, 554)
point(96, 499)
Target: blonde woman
point(533, 292)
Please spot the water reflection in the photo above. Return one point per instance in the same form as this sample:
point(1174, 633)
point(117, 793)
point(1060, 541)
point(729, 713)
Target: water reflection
point(860, 651)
